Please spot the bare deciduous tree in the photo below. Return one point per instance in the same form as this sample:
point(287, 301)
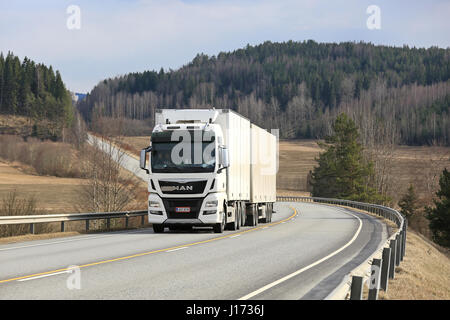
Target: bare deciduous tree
point(109, 187)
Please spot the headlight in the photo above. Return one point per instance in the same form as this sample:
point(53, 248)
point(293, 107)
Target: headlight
point(153, 204)
point(211, 204)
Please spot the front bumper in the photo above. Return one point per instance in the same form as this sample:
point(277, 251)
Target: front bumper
point(162, 211)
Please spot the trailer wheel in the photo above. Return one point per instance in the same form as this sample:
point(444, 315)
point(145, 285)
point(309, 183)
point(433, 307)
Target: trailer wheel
point(243, 214)
point(269, 213)
point(158, 228)
point(239, 217)
point(266, 219)
point(234, 225)
point(253, 218)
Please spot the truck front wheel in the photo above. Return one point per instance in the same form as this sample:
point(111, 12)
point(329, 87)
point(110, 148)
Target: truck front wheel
point(158, 228)
point(219, 227)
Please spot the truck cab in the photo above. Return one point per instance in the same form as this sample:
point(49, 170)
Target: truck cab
point(187, 171)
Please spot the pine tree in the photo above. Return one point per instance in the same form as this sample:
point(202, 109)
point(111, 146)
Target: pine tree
point(439, 216)
point(342, 171)
point(408, 203)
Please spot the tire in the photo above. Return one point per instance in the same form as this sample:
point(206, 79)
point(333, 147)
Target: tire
point(233, 225)
point(244, 215)
point(269, 214)
point(219, 227)
point(158, 228)
point(239, 217)
point(252, 222)
point(266, 219)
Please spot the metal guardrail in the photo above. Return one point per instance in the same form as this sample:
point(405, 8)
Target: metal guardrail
point(380, 266)
point(64, 217)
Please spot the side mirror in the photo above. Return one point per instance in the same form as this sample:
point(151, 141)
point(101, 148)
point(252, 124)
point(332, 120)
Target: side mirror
point(143, 159)
point(224, 158)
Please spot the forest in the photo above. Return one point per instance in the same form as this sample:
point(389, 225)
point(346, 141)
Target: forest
point(35, 91)
point(299, 88)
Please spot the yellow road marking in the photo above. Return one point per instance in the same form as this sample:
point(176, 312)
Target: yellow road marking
point(150, 252)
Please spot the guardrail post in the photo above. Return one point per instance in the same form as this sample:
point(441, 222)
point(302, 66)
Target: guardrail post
point(375, 274)
point(142, 220)
point(393, 246)
point(62, 226)
point(398, 252)
point(356, 289)
point(402, 240)
point(32, 228)
point(404, 237)
point(108, 223)
point(126, 222)
point(385, 269)
point(87, 225)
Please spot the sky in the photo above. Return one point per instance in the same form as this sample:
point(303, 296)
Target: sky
point(115, 37)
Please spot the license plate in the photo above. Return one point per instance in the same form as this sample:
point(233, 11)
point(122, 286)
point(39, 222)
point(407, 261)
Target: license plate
point(183, 209)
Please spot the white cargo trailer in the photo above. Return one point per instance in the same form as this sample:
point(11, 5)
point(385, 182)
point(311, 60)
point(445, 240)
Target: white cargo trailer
point(209, 167)
point(264, 165)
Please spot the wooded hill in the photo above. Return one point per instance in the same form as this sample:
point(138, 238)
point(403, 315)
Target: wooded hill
point(300, 88)
point(36, 91)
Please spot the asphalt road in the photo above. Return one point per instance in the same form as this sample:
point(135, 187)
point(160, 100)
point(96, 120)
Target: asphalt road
point(303, 254)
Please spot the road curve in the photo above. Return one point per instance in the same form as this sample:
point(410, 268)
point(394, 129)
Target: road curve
point(303, 254)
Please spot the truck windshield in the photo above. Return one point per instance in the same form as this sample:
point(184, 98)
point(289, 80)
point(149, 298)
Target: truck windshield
point(171, 157)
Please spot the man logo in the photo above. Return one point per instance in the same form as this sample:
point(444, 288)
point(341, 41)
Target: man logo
point(177, 188)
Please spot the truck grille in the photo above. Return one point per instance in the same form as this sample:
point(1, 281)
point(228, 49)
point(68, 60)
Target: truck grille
point(194, 206)
point(172, 187)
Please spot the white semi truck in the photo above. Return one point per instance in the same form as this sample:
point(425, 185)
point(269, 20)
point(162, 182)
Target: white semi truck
point(209, 167)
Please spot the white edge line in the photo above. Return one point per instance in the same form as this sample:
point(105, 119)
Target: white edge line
point(69, 240)
point(270, 285)
point(176, 249)
point(45, 275)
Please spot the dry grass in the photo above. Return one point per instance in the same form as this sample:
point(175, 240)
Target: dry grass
point(422, 275)
point(53, 194)
point(134, 145)
point(292, 193)
point(296, 159)
point(44, 157)
point(412, 164)
point(19, 125)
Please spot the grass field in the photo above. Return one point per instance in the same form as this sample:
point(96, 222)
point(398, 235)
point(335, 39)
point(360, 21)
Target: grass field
point(53, 194)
